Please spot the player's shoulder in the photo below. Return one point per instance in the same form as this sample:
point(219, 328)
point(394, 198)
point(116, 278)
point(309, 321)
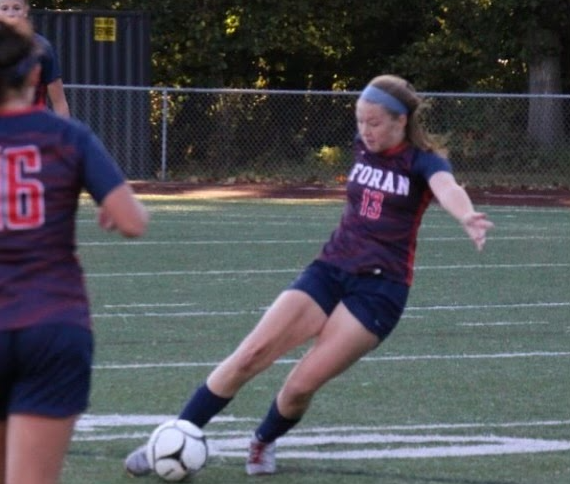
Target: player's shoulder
point(47, 52)
point(429, 162)
point(431, 157)
point(69, 127)
point(42, 41)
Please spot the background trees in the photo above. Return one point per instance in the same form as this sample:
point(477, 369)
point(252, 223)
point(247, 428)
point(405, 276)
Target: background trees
point(452, 45)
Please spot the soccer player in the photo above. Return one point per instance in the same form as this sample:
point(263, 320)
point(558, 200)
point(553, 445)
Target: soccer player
point(50, 84)
point(352, 296)
point(46, 341)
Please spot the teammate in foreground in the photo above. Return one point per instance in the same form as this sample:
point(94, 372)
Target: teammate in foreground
point(352, 296)
point(50, 84)
point(45, 327)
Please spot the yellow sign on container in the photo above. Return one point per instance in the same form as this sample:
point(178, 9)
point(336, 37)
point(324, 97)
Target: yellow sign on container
point(105, 29)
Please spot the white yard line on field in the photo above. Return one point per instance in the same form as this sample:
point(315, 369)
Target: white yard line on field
point(292, 361)
point(503, 323)
point(340, 442)
point(131, 243)
point(297, 269)
point(190, 314)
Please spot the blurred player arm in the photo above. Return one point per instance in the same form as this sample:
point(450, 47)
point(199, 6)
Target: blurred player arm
point(120, 210)
point(454, 199)
point(57, 98)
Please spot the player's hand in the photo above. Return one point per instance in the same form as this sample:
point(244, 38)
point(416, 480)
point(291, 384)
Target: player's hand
point(105, 221)
point(476, 225)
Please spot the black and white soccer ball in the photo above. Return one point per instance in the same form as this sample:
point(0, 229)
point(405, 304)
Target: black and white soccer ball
point(177, 449)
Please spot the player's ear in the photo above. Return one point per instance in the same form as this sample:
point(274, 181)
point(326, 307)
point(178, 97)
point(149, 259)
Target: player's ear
point(403, 120)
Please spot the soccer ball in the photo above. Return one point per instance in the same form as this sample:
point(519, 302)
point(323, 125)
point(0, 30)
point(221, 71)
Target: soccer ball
point(177, 449)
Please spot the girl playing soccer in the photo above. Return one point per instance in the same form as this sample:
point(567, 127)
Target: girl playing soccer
point(46, 344)
point(353, 294)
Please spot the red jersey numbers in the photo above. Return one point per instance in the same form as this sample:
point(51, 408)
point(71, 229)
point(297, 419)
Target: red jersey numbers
point(21, 194)
point(371, 205)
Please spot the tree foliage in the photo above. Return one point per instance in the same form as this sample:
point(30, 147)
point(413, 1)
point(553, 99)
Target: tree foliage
point(450, 45)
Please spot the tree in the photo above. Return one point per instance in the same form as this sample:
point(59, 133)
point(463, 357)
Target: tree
point(498, 46)
point(271, 43)
point(441, 45)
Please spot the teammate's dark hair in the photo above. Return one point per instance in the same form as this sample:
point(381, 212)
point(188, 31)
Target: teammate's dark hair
point(16, 45)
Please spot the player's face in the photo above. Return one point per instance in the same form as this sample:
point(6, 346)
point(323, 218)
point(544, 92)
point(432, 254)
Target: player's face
point(378, 128)
point(13, 8)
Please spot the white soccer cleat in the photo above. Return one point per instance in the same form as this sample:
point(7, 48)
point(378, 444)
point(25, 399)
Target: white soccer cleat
point(261, 459)
point(136, 463)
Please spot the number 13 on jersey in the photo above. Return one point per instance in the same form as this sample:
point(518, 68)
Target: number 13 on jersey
point(21, 194)
point(371, 206)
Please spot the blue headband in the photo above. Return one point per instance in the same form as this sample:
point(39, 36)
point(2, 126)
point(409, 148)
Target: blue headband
point(376, 95)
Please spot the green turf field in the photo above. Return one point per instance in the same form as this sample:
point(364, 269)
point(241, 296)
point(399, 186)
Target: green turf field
point(473, 387)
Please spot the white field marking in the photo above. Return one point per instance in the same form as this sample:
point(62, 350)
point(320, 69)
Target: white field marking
point(203, 242)
point(489, 356)
point(193, 273)
point(496, 239)
point(511, 211)
point(153, 305)
point(285, 222)
point(200, 314)
point(494, 266)
point(190, 314)
point(296, 270)
point(343, 443)
point(490, 306)
point(439, 426)
point(508, 212)
point(440, 217)
point(292, 361)
point(504, 323)
point(410, 447)
point(223, 217)
point(91, 423)
point(131, 243)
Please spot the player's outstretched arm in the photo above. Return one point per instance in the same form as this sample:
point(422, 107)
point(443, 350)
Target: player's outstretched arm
point(122, 211)
point(455, 200)
point(58, 99)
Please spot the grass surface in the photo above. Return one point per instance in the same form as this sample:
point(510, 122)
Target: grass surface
point(473, 387)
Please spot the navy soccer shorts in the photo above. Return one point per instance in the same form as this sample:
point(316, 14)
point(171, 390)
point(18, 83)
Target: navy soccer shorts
point(377, 302)
point(45, 370)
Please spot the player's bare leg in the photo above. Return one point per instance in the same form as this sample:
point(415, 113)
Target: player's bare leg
point(2, 452)
point(293, 319)
point(280, 329)
point(36, 448)
point(343, 341)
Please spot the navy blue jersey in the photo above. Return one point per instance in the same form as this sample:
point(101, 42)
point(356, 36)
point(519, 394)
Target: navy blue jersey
point(45, 163)
point(387, 195)
point(50, 69)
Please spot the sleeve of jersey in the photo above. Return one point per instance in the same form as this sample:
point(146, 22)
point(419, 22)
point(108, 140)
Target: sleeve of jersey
point(50, 65)
point(427, 164)
point(101, 174)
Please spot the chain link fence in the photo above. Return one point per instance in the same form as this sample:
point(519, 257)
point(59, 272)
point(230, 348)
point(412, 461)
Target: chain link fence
point(225, 135)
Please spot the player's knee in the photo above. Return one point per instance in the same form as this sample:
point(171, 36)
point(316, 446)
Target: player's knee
point(251, 360)
point(297, 394)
